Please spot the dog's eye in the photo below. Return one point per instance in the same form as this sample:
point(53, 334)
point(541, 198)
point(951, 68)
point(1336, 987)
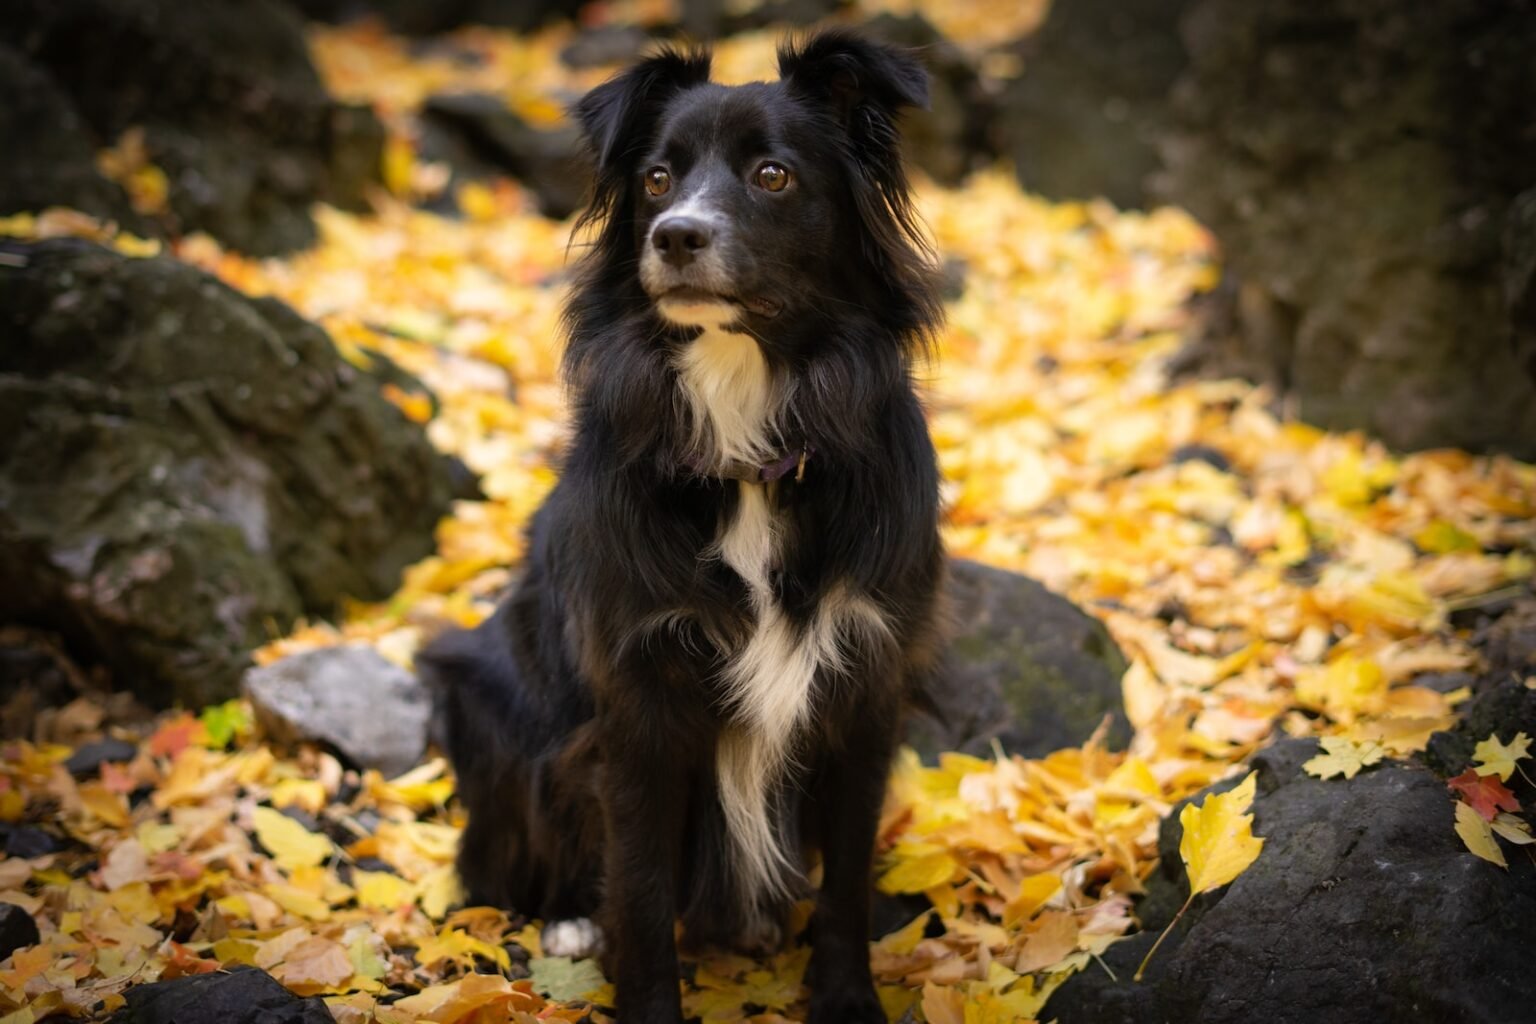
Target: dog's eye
point(658, 181)
point(773, 177)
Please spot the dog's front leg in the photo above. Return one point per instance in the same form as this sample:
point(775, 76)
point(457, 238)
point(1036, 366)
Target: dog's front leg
point(848, 809)
point(643, 806)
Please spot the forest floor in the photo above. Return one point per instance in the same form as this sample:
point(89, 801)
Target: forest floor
point(1264, 577)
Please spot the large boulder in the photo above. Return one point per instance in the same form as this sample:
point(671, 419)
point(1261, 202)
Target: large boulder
point(1363, 905)
point(1025, 669)
point(1359, 162)
point(51, 151)
point(182, 468)
point(230, 106)
point(1084, 117)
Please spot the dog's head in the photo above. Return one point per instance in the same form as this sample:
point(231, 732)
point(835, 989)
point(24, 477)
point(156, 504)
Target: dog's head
point(765, 205)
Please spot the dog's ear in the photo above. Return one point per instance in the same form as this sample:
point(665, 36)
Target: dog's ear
point(617, 114)
point(853, 75)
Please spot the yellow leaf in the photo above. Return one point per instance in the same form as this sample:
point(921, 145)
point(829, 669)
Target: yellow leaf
point(1341, 757)
point(1496, 758)
point(1516, 830)
point(456, 1000)
point(111, 808)
point(308, 794)
point(460, 947)
point(1034, 891)
point(1218, 842)
point(943, 1005)
point(291, 844)
point(380, 890)
point(439, 890)
point(914, 874)
point(1478, 835)
point(297, 901)
point(1346, 687)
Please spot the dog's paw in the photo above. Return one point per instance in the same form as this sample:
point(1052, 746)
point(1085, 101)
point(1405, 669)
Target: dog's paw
point(851, 1006)
point(576, 938)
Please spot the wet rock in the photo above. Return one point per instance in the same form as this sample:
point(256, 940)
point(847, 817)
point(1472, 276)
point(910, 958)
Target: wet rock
point(28, 841)
point(1501, 701)
point(547, 161)
point(183, 468)
point(231, 108)
point(239, 995)
point(51, 153)
point(17, 929)
point(1363, 905)
point(88, 759)
point(1360, 163)
point(1084, 117)
point(370, 710)
point(1026, 668)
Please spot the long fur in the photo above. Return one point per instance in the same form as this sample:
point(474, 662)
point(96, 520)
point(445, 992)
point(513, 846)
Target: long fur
point(700, 677)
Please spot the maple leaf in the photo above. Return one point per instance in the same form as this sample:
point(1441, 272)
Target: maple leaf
point(290, 843)
point(1342, 757)
point(1478, 835)
point(458, 999)
point(1218, 845)
point(1486, 794)
point(561, 978)
point(1496, 758)
point(1516, 830)
point(175, 735)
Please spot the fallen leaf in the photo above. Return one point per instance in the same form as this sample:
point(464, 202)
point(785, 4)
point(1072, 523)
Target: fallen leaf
point(1478, 835)
point(561, 978)
point(290, 843)
point(1342, 757)
point(1496, 758)
point(1486, 794)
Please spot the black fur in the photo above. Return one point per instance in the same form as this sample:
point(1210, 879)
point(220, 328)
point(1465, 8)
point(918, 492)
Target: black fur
point(584, 745)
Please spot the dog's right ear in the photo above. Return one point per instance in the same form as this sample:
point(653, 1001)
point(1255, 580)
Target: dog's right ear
point(618, 114)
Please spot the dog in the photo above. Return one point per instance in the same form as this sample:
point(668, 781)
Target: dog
point(733, 589)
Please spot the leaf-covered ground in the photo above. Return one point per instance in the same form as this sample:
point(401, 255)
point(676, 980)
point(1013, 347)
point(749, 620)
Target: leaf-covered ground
point(1262, 576)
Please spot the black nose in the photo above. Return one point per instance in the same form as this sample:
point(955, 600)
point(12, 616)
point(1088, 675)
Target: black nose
point(679, 239)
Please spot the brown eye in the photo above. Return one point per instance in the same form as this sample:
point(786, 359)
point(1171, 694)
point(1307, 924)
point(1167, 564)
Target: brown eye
point(772, 177)
point(658, 181)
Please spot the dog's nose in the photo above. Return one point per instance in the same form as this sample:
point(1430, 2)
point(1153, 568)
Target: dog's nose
point(679, 239)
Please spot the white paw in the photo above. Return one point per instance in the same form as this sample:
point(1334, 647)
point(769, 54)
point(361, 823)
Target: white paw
point(576, 938)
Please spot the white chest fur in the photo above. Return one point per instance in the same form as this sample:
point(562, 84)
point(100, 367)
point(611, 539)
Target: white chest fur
point(769, 679)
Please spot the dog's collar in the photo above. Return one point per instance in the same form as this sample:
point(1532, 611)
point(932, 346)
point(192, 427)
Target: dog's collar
point(759, 474)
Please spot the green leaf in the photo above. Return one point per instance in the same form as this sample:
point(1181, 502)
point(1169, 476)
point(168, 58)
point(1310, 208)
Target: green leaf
point(561, 978)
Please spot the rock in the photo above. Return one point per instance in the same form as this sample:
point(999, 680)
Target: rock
point(182, 468)
point(1083, 118)
point(1363, 905)
point(603, 46)
point(949, 139)
point(429, 17)
point(372, 711)
point(1360, 163)
point(238, 995)
point(231, 108)
point(1501, 701)
point(17, 929)
point(51, 153)
point(548, 162)
point(87, 760)
point(1026, 668)
point(28, 841)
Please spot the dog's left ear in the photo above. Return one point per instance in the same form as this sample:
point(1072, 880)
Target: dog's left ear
point(854, 76)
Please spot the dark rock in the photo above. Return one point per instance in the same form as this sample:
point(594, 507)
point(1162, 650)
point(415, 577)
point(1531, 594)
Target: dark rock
point(369, 709)
point(1501, 701)
point(17, 929)
point(28, 841)
point(51, 154)
point(87, 760)
point(1363, 905)
point(1025, 668)
point(1084, 117)
point(548, 162)
point(1360, 163)
point(239, 995)
point(231, 107)
point(949, 139)
point(605, 46)
point(1213, 457)
point(712, 19)
point(182, 468)
point(34, 677)
point(429, 17)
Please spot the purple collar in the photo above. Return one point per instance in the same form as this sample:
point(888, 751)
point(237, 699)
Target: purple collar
point(767, 473)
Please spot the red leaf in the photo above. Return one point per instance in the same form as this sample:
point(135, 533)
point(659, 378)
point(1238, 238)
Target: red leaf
point(117, 779)
point(175, 736)
point(1487, 795)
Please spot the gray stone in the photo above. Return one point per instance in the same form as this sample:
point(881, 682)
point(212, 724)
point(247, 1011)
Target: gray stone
point(372, 711)
point(239, 995)
point(1025, 668)
point(1364, 905)
point(184, 469)
point(17, 929)
point(484, 135)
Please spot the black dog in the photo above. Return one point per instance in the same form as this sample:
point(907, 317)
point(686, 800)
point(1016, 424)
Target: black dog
point(734, 586)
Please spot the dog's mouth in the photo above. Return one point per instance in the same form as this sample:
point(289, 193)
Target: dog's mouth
point(684, 296)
